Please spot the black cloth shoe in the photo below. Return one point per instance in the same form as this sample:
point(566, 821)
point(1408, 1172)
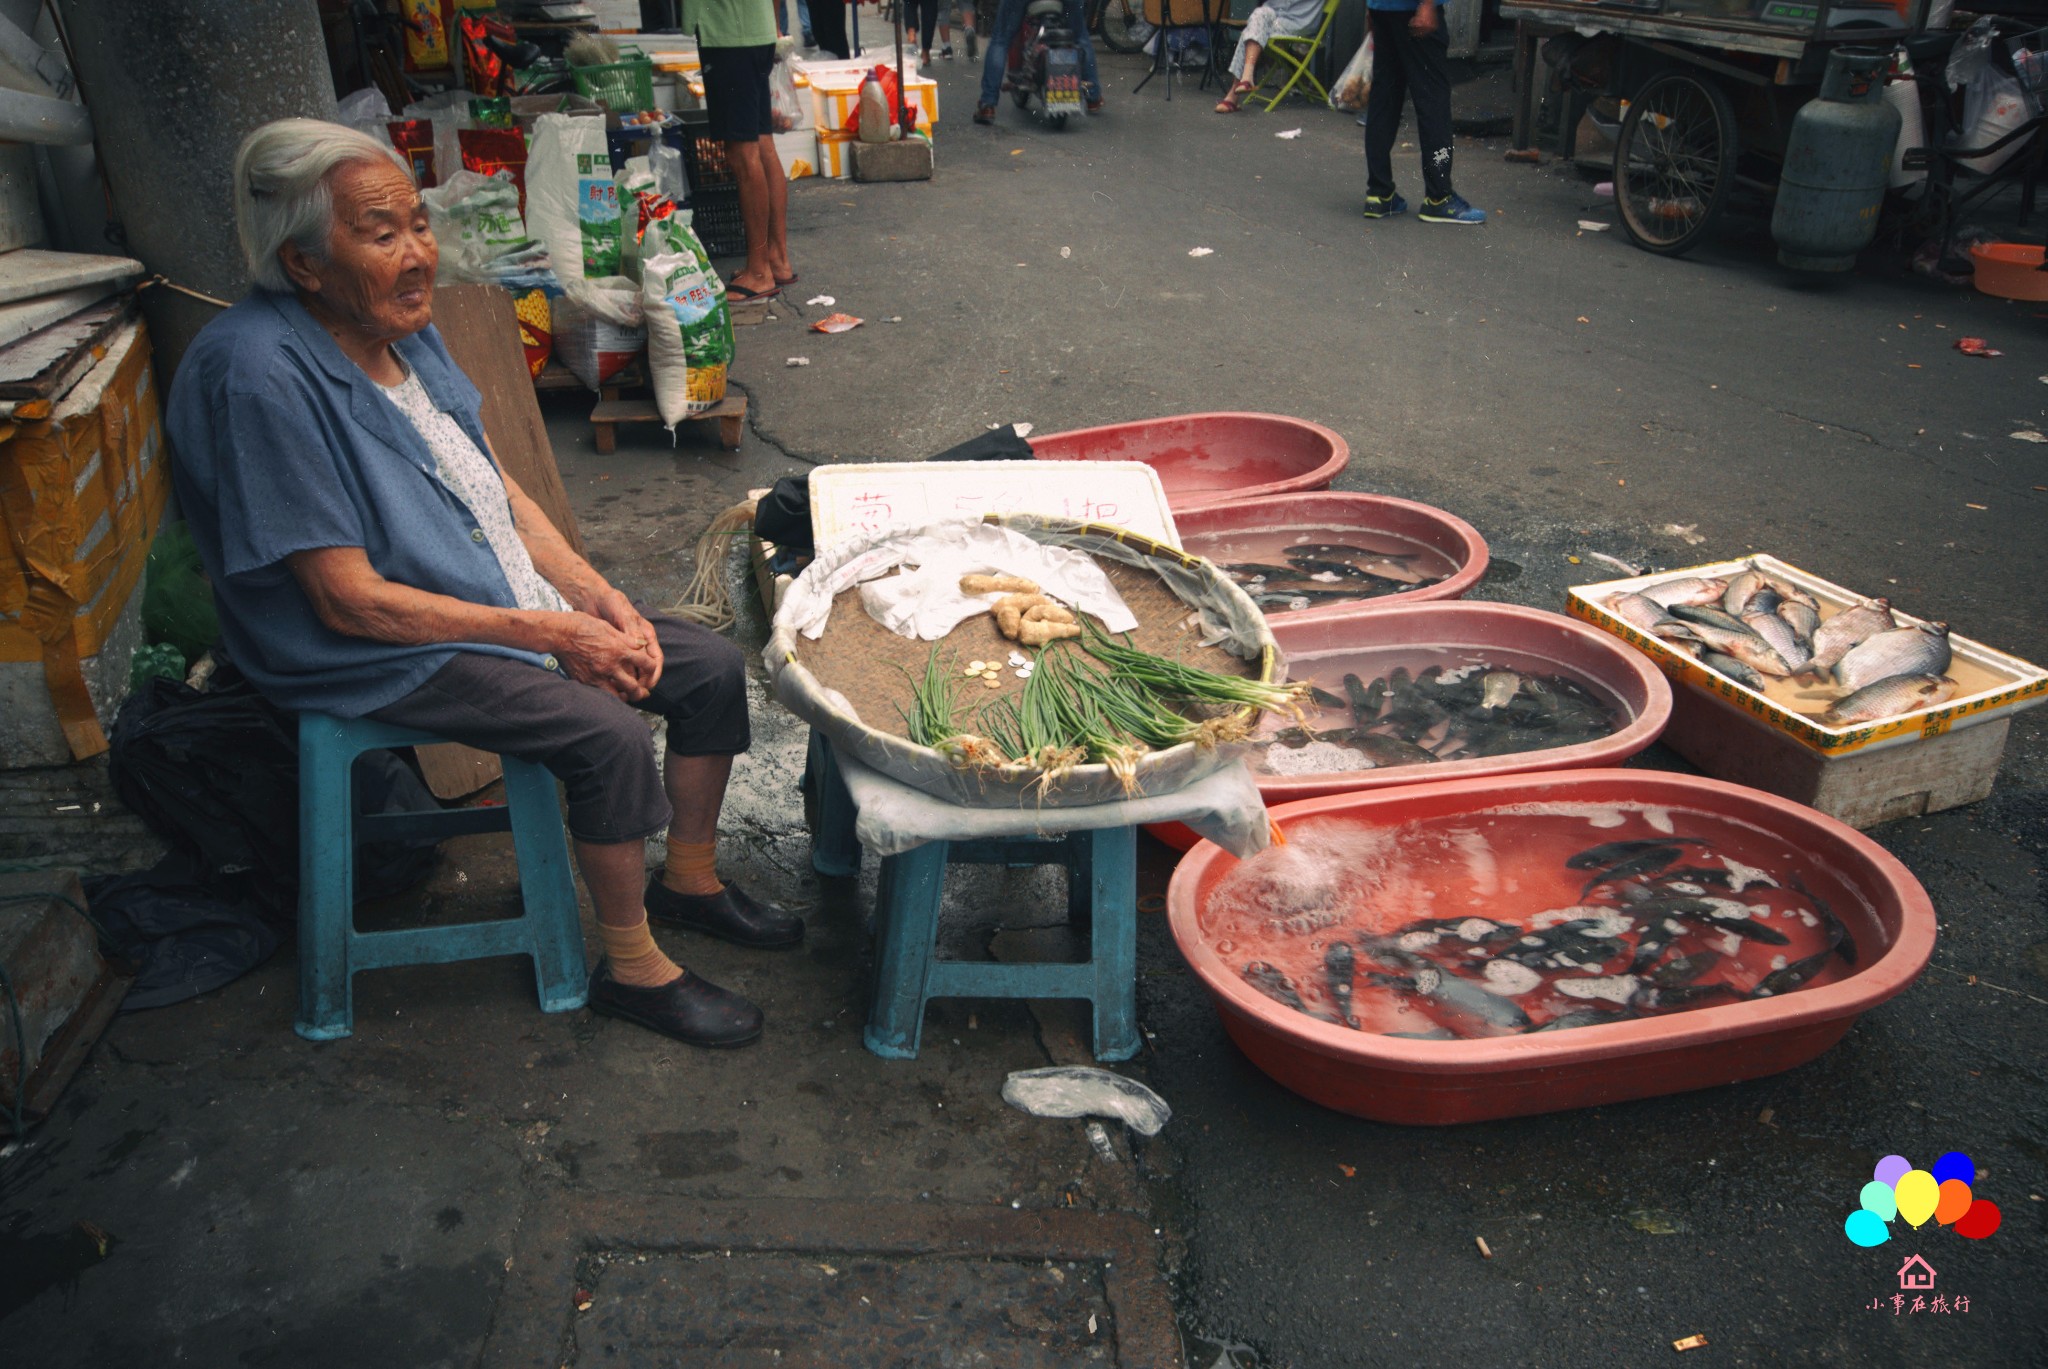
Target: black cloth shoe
point(731, 914)
point(689, 1009)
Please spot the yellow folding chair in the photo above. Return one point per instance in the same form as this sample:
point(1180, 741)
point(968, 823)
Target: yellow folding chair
point(1295, 51)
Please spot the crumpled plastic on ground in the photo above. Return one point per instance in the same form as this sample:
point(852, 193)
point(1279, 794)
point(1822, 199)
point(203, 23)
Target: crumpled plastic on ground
point(1084, 1091)
point(926, 603)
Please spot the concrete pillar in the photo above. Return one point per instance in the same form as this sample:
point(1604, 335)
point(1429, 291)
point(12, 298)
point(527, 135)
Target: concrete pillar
point(173, 86)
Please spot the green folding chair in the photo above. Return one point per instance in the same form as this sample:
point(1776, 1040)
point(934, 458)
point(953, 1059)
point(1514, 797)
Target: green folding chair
point(1296, 51)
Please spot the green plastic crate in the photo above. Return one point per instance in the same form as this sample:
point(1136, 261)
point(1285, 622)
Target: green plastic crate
point(624, 87)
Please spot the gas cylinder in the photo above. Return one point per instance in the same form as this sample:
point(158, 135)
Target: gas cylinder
point(1836, 165)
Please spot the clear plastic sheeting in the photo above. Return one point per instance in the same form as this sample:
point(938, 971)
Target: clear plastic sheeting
point(1228, 617)
point(1084, 1091)
point(891, 817)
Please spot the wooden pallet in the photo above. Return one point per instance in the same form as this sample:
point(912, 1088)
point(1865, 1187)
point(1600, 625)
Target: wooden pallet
point(730, 413)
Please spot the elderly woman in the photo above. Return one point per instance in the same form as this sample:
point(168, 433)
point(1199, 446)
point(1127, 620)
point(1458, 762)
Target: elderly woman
point(1272, 19)
point(370, 559)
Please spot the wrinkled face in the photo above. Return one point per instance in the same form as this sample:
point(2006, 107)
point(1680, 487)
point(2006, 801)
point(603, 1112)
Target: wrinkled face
point(378, 280)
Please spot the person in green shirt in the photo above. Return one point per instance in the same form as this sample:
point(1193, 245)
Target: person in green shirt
point(736, 41)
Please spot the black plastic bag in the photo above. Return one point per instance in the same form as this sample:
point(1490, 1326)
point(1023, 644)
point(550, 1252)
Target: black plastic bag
point(783, 515)
point(217, 775)
point(1000, 444)
point(185, 930)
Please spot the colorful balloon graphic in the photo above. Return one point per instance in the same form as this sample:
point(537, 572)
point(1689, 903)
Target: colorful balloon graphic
point(1954, 1201)
point(1954, 1165)
point(1918, 1195)
point(1866, 1228)
point(1877, 1199)
point(1980, 1221)
point(1890, 1168)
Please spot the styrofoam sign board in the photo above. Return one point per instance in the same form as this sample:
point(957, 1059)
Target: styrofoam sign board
point(862, 500)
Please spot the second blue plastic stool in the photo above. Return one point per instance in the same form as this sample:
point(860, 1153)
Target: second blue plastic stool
point(1102, 873)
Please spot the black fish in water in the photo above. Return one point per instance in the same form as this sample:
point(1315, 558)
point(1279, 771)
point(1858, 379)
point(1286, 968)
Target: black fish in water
point(1615, 852)
point(1657, 935)
point(1307, 566)
point(1297, 598)
point(1684, 970)
point(1845, 945)
point(1795, 974)
point(1340, 549)
point(1652, 997)
point(1339, 964)
point(1576, 945)
point(1584, 1017)
point(1278, 987)
point(1437, 1034)
point(1364, 704)
point(1252, 570)
point(1324, 698)
point(1456, 997)
point(1723, 913)
point(1382, 750)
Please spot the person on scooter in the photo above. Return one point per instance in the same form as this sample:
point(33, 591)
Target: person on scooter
point(1006, 55)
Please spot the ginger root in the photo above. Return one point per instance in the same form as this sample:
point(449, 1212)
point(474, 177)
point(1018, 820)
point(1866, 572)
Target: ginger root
point(1049, 612)
point(1039, 631)
point(997, 584)
point(1034, 619)
point(1010, 611)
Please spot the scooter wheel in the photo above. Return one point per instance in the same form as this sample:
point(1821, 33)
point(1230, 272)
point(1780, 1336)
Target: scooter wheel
point(1022, 96)
point(1056, 121)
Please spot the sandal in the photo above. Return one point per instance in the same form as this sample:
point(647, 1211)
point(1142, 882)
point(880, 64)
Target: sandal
point(740, 293)
point(784, 282)
point(1232, 102)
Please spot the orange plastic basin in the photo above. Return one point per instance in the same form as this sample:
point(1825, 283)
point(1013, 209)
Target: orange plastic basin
point(1378, 518)
point(1372, 640)
point(1437, 1082)
point(2009, 270)
point(1204, 458)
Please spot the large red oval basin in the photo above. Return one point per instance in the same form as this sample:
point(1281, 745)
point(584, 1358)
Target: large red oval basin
point(1369, 640)
point(1204, 458)
point(1243, 530)
point(1434, 1082)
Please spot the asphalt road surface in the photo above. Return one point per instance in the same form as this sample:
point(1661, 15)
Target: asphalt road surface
point(1567, 394)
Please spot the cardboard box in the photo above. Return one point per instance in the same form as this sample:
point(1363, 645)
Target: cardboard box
point(1865, 774)
point(81, 491)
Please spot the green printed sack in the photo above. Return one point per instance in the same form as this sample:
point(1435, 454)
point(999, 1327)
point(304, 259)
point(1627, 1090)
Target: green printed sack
point(689, 328)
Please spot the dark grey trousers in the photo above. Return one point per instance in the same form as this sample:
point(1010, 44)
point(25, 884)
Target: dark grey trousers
point(596, 744)
point(1404, 65)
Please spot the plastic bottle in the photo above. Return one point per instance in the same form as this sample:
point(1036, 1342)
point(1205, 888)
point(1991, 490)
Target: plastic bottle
point(876, 125)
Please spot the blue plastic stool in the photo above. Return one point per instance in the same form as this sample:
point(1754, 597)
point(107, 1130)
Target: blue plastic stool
point(1102, 884)
point(331, 950)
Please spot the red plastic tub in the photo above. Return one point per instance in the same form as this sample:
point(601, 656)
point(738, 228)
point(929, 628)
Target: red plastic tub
point(1323, 646)
point(1233, 532)
point(1204, 458)
point(1436, 1082)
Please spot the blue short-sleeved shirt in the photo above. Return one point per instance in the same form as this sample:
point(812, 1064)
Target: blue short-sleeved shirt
point(281, 444)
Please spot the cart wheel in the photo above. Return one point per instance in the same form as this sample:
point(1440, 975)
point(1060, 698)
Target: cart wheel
point(1056, 122)
point(1674, 161)
point(1021, 96)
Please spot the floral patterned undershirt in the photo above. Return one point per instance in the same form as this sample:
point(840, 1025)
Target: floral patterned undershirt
point(472, 478)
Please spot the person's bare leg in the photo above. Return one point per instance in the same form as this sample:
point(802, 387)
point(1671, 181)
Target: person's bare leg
point(745, 160)
point(696, 790)
point(778, 218)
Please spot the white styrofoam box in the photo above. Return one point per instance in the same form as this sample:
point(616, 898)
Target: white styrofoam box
point(835, 156)
point(835, 99)
point(858, 500)
point(798, 150)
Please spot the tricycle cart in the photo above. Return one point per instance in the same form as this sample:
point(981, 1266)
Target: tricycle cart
point(1709, 89)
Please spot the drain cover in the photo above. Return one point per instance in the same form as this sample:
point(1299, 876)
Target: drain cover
point(785, 1308)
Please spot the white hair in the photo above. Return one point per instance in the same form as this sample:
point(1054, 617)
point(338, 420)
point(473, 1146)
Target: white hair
point(282, 194)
